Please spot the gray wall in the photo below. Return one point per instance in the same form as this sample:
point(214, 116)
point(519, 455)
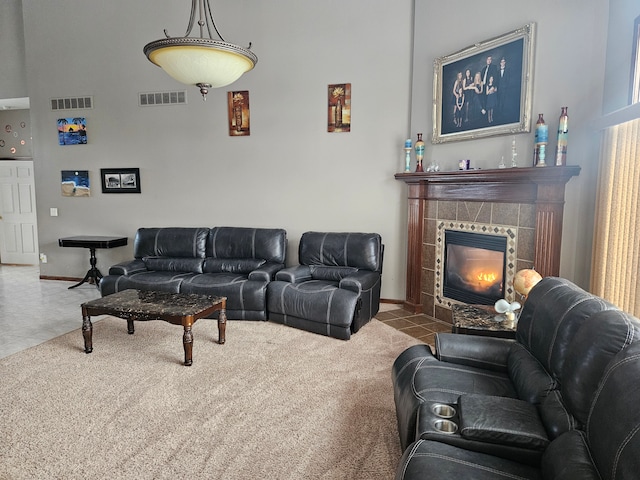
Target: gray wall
point(571, 38)
point(13, 79)
point(290, 172)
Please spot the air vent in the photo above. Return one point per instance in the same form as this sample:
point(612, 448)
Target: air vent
point(151, 99)
point(72, 103)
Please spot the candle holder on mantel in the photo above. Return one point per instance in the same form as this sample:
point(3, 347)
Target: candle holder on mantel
point(419, 153)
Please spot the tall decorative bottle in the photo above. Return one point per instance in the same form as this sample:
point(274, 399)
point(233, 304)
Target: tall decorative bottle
point(419, 153)
point(563, 136)
point(540, 142)
point(407, 155)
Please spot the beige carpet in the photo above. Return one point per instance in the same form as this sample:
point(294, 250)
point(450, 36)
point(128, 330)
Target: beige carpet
point(273, 402)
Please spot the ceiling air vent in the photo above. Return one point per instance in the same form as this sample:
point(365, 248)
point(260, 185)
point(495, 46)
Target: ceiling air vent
point(151, 99)
point(72, 103)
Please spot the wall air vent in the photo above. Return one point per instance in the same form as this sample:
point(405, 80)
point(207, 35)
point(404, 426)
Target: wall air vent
point(151, 99)
point(72, 103)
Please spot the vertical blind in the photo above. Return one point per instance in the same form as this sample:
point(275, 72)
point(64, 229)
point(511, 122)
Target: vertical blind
point(616, 246)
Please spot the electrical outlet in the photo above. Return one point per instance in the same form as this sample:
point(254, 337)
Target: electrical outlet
point(43, 258)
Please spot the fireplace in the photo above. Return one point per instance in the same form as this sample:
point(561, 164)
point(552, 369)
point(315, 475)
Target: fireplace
point(523, 204)
point(474, 267)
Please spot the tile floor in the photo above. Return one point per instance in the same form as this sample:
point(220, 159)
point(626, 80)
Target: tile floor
point(33, 311)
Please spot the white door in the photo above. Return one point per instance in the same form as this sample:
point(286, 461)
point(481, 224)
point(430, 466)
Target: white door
point(18, 223)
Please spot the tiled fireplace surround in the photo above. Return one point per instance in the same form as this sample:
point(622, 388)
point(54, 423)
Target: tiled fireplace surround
point(523, 204)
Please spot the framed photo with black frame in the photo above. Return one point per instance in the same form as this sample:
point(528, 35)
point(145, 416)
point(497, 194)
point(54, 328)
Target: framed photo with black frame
point(485, 89)
point(120, 180)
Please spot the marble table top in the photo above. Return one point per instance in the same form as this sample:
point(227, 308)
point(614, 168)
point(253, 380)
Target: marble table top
point(481, 317)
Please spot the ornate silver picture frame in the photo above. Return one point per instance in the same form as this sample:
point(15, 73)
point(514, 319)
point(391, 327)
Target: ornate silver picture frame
point(485, 89)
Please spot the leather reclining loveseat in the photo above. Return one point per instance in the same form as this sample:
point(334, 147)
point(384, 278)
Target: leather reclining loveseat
point(237, 263)
point(561, 401)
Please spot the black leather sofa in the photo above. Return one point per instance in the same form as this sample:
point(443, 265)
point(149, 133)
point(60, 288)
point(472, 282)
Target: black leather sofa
point(237, 263)
point(558, 402)
point(335, 289)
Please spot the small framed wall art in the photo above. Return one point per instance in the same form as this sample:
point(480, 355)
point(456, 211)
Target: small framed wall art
point(75, 183)
point(120, 180)
point(238, 107)
point(339, 108)
point(72, 131)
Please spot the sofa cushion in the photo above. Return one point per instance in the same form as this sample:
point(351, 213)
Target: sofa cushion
point(599, 339)
point(530, 379)
point(152, 280)
point(551, 316)
point(432, 460)
point(170, 242)
point(232, 265)
point(315, 300)
point(173, 264)
point(268, 244)
point(568, 457)
point(242, 294)
point(361, 250)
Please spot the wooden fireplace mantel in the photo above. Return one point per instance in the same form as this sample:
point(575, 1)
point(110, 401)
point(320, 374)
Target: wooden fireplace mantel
point(543, 187)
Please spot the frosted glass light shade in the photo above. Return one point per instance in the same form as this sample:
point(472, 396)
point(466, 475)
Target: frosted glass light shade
point(200, 61)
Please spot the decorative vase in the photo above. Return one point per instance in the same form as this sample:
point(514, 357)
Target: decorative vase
point(407, 155)
point(419, 153)
point(338, 114)
point(237, 113)
point(563, 136)
point(540, 142)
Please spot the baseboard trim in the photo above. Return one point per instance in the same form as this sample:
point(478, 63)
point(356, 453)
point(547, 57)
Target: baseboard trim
point(64, 279)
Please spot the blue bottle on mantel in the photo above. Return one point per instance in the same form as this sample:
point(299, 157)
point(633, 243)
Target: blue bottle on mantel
point(407, 155)
point(419, 153)
point(540, 143)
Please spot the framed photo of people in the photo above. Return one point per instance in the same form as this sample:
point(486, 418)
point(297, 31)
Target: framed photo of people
point(485, 89)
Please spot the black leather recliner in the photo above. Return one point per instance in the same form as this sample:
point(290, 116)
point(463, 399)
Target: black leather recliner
point(335, 289)
point(482, 407)
point(607, 448)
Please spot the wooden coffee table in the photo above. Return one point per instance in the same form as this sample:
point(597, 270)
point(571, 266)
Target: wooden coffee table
point(175, 308)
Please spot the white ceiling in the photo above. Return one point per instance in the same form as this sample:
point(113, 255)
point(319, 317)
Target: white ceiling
point(14, 103)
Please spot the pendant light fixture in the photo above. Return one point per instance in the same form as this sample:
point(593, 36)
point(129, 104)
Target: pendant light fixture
point(204, 62)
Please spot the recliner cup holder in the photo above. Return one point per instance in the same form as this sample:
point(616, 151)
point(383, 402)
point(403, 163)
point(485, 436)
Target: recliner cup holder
point(443, 410)
point(445, 426)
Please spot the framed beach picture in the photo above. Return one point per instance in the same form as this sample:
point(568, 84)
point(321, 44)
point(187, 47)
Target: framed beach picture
point(75, 183)
point(72, 131)
point(485, 89)
point(120, 180)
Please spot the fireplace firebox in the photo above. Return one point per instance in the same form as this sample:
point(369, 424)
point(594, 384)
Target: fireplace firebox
point(474, 267)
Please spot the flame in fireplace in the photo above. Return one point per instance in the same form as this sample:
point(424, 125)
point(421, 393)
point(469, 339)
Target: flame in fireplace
point(489, 278)
point(481, 280)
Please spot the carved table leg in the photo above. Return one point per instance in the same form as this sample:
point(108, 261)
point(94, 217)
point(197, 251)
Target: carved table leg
point(187, 340)
point(87, 333)
point(222, 326)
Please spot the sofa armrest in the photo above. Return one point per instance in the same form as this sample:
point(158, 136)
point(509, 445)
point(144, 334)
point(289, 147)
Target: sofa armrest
point(297, 274)
point(359, 281)
point(479, 351)
point(128, 268)
point(266, 272)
